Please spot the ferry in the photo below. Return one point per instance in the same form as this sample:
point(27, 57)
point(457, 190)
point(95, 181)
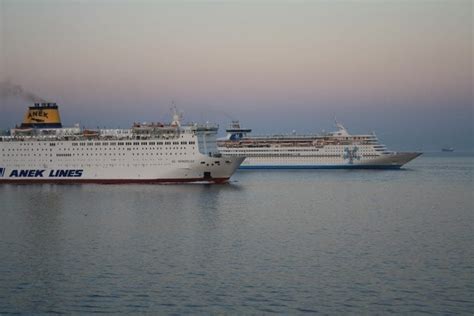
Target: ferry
point(334, 150)
point(41, 150)
point(447, 149)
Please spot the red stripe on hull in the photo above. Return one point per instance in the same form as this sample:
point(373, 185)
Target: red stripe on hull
point(112, 181)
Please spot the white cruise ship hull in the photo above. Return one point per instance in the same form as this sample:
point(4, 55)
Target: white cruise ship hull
point(386, 161)
point(334, 150)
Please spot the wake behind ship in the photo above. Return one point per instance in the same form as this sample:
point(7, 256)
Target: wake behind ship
point(335, 150)
point(42, 150)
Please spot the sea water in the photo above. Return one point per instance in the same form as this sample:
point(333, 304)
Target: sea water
point(299, 241)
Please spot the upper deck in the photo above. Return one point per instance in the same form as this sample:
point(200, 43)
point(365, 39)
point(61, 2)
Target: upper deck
point(76, 133)
point(238, 137)
point(42, 123)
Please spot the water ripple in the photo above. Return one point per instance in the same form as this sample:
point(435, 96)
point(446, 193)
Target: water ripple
point(270, 242)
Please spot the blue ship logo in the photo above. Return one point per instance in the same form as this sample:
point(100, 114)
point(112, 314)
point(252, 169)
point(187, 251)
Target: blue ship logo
point(2, 172)
point(236, 136)
point(351, 154)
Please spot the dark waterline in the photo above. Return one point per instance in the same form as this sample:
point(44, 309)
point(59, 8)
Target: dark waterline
point(327, 241)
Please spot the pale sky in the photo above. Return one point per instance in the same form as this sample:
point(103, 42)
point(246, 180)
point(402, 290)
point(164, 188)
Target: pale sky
point(401, 68)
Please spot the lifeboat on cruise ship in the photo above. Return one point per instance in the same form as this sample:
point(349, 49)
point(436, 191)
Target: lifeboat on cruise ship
point(90, 133)
point(146, 126)
point(19, 130)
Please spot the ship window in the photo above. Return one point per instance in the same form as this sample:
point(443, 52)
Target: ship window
point(145, 143)
point(136, 143)
point(175, 143)
point(184, 143)
point(105, 144)
point(90, 144)
point(120, 144)
point(159, 143)
point(152, 143)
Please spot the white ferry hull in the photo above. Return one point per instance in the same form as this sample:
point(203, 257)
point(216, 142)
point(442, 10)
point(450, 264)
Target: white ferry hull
point(214, 170)
point(42, 151)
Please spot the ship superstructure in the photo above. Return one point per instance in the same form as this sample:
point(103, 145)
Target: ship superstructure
point(334, 150)
point(42, 150)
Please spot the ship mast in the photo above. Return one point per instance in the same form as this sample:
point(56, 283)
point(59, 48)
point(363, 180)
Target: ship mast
point(177, 116)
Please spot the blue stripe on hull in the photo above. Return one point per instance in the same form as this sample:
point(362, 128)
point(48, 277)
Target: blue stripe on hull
point(322, 167)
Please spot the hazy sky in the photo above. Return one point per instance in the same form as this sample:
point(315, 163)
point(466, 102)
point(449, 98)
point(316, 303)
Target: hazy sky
point(401, 68)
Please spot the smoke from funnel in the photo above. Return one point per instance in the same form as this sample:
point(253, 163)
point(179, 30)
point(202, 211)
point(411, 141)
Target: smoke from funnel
point(9, 89)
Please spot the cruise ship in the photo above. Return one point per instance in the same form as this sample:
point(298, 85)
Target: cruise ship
point(335, 150)
point(41, 150)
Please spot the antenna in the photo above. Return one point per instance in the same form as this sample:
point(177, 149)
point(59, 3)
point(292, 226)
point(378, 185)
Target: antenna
point(177, 116)
point(339, 126)
point(173, 109)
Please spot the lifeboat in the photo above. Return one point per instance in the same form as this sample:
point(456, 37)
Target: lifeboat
point(20, 130)
point(90, 133)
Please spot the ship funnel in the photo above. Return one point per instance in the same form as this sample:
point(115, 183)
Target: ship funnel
point(42, 115)
point(235, 132)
